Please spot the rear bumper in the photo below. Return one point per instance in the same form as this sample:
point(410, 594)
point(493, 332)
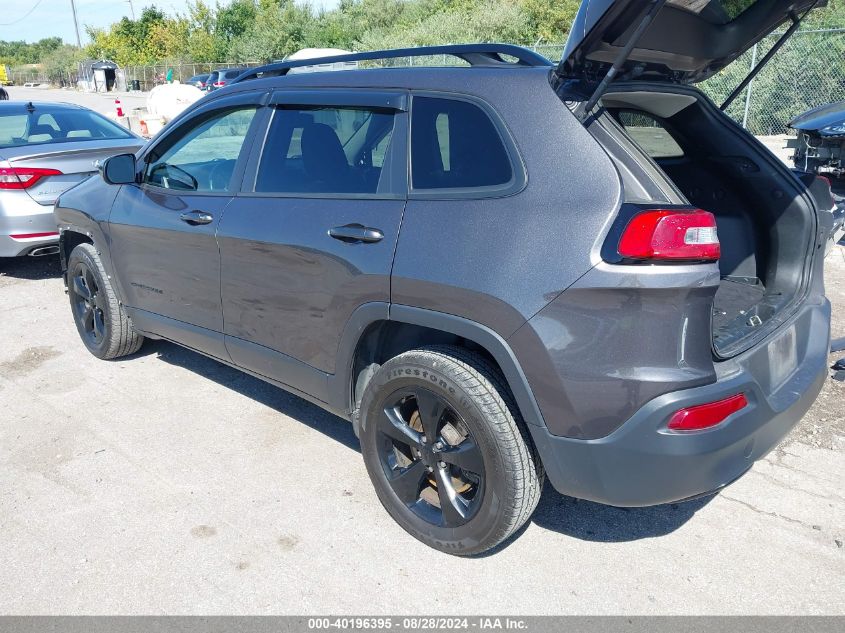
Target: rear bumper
point(642, 463)
point(21, 215)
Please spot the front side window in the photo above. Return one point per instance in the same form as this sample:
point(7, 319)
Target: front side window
point(334, 150)
point(204, 158)
point(455, 145)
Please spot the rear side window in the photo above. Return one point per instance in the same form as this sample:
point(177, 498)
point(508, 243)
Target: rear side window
point(333, 150)
point(649, 134)
point(455, 145)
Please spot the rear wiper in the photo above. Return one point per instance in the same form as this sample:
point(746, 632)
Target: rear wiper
point(622, 57)
point(796, 22)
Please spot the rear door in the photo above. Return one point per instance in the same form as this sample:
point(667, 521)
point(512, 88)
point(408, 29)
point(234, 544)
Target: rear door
point(163, 229)
point(311, 237)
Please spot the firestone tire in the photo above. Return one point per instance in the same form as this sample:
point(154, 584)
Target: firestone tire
point(100, 320)
point(473, 392)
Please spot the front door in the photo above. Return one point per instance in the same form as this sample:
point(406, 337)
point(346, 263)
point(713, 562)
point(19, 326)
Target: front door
point(312, 235)
point(163, 230)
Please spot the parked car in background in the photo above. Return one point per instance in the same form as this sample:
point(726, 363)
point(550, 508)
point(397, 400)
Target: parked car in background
point(199, 80)
point(219, 78)
point(490, 270)
point(820, 144)
point(45, 148)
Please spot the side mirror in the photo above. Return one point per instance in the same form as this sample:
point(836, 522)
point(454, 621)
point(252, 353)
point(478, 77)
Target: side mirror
point(119, 170)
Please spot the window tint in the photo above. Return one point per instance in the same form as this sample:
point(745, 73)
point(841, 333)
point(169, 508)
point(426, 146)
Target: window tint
point(204, 157)
point(325, 150)
point(454, 144)
point(55, 125)
point(649, 134)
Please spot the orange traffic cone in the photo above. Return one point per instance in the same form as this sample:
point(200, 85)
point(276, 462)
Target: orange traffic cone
point(119, 108)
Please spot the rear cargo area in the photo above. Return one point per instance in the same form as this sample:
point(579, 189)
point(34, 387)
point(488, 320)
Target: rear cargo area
point(765, 215)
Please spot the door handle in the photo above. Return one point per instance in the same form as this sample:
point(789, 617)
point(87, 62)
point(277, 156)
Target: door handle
point(356, 233)
point(195, 217)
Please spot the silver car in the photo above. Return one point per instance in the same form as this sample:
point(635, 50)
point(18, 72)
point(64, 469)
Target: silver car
point(45, 148)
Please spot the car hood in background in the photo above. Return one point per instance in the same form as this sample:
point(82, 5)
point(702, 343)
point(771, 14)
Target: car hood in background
point(827, 120)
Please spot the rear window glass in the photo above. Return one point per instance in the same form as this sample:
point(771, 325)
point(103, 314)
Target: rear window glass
point(649, 134)
point(56, 126)
point(455, 145)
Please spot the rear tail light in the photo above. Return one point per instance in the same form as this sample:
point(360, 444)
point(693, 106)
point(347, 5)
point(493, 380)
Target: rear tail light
point(671, 235)
point(23, 177)
point(27, 236)
point(705, 416)
point(219, 84)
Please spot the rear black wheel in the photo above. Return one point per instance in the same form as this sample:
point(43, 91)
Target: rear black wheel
point(100, 320)
point(447, 451)
point(432, 460)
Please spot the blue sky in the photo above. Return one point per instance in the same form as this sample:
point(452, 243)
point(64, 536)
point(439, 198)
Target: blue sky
point(53, 17)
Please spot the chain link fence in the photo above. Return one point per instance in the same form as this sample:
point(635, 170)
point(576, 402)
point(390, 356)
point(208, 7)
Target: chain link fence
point(149, 77)
point(809, 70)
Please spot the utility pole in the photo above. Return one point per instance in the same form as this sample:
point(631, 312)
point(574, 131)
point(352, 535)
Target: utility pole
point(76, 24)
point(132, 8)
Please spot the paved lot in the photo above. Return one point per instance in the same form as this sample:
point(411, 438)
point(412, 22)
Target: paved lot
point(167, 483)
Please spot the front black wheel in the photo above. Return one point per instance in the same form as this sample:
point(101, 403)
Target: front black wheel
point(100, 320)
point(447, 451)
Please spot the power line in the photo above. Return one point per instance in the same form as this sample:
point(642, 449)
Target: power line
point(28, 13)
point(75, 24)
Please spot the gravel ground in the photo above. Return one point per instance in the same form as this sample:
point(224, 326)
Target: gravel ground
point(168, 483)
point(824, 426)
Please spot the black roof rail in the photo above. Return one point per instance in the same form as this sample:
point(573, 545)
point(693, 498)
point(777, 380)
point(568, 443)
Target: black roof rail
point(484, 55)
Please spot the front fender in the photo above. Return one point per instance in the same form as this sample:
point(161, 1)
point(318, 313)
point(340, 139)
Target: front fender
point(85, 210)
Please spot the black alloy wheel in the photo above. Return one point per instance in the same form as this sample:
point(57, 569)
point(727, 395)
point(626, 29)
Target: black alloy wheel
point(88, 303)
point(430, 458)
point(100, 319)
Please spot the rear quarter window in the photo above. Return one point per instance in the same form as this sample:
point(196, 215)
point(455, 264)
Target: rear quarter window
point(456, 146)
point(649, 134)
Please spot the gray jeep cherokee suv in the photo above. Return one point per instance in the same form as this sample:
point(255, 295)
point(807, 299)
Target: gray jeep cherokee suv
point(497, 272)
